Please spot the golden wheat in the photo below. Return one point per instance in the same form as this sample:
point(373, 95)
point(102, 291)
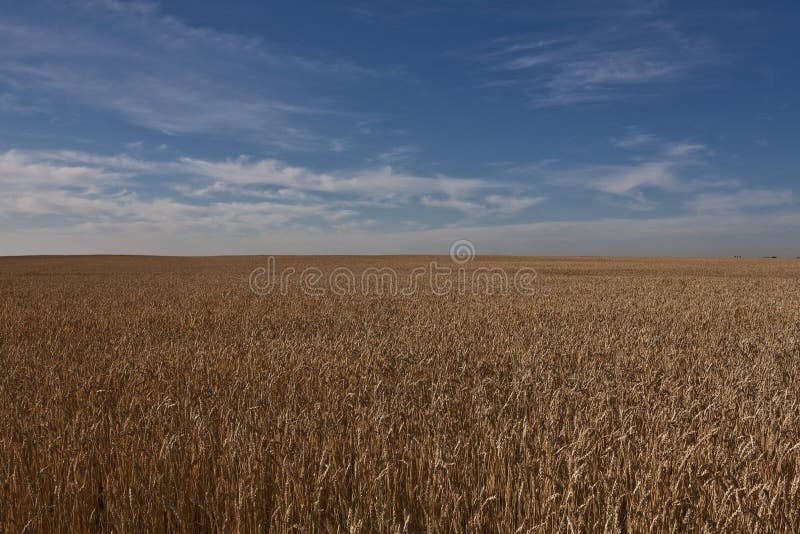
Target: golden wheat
point(160, 394)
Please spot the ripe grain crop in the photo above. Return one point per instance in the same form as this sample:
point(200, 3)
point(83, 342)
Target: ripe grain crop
point(628, 395)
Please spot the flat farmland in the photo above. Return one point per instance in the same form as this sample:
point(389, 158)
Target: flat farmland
point(607, 394)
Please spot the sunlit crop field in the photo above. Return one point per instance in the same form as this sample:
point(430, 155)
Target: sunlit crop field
point(161, 394)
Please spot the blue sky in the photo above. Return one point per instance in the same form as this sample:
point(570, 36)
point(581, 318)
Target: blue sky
point(642, 128)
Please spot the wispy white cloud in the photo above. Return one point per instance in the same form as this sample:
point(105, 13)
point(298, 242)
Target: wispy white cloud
point(127, 6)
point(374, 183)
point(635, 140)
point(686, 149)
point(10, 103)
point(643, 141)
point(743, 199)
point(400, 153)
point(89, 189)
point(614, 55)
point(534, 168)
point(633, 182)
point(654, 165)
point(156, 71)
point(22, 170)
point(224, 196)
point(119, 163)
point(338, 145)
point(629, 182)
point(98, 206)
point(485, 206)
point(490, 205)
point(465, 206)
point(507, 205)
point(624, 179)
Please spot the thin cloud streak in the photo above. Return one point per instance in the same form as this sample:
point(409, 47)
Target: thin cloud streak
point(606, 61)
point(127, 66)
point(744, 199)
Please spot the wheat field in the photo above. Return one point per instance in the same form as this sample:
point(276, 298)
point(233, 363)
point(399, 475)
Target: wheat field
point(624, 395)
